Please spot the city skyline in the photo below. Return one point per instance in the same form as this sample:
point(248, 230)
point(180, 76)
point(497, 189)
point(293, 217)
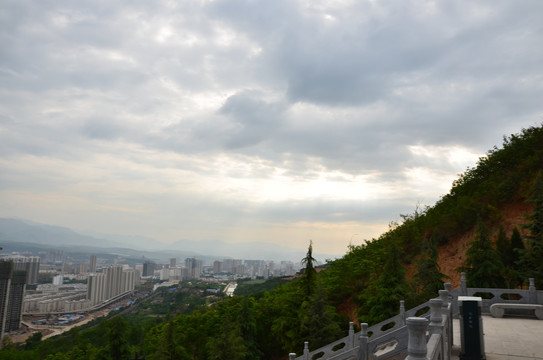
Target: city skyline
point(278, 122)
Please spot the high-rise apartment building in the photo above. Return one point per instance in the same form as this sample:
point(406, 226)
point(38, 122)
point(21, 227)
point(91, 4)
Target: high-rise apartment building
point(172, 262)
point(12, 288)
point(6, 270)
point(58, 279)
point(227, 265)
point(112, 282)
point(216, 267)
point(29, 264)
point(194, 267)
point(96, 288)
point(15, 302)
point(92, 264)
point(148, 269)
point(189, 264)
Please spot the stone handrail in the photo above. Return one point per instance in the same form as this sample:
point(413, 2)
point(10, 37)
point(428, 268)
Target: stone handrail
point(529, 296)
point(375, 342)
point(393, 339)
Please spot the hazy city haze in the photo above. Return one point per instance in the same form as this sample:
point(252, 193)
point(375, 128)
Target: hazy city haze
point(276, 121)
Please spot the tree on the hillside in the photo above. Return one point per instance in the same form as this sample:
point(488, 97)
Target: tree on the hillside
point(384, 295)
point(168, 348)
point(228, 344)
point(516, 252)
point(503, 246)
point(532, 257)
point(248, 327)
point(429, 278)
point(310, 274)
point(317, 324)
point(285, 303)
point(33, 341)
point(517, 247)
point(116, 335)
point(483, 265)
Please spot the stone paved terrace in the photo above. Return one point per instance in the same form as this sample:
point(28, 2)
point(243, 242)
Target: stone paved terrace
point(508, 338)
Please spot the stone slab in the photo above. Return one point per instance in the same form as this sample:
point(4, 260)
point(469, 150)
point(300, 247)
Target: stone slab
point(508, 338)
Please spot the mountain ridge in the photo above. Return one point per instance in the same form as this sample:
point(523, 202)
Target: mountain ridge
point(14, 230)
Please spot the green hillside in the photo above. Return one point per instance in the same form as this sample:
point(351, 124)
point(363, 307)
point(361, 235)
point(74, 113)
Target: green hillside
point(366, 284)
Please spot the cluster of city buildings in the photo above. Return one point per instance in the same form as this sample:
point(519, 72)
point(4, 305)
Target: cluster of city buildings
point(85, 286)
point(227, 268)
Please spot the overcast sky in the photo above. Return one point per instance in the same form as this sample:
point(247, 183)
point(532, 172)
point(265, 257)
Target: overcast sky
point(277, 120)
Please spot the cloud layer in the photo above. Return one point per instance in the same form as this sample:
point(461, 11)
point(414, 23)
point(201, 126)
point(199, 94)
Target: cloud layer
point(272, 121)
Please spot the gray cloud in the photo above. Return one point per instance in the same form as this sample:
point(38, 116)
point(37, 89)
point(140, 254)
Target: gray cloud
point(307, 92)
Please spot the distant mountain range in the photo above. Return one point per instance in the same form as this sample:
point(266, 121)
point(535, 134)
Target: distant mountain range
point(19, 231)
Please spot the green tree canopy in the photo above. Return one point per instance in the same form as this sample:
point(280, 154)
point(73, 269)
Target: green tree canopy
point(483, 265)
point(429, 278)
point(532, 257)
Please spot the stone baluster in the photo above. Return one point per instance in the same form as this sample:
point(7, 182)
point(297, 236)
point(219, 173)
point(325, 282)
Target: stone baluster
point(292, 356)
point(416, 346)
point(436, 319)
point(363, 343)
point(532, 292)
point(463, 284)
point(446, 306)
point(350, 343)
point(306, 350)
point(444, 296)
point(437, 325)
point(447, 311)
point(402, 312)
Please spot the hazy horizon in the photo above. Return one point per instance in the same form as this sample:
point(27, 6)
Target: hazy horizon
point(279, 122)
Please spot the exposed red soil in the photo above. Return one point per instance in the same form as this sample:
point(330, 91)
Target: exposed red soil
point(348, 308)
point(452, 254)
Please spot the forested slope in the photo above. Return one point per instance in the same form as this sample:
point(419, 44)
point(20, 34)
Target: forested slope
point(479, 222)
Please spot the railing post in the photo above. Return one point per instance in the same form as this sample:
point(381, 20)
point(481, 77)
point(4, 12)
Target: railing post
point(435, 315)
point(416, 346)
point(447, 311)
point(402, 312)
point(463, 284)
point(444, 296)
point(306, 350)
point(363, 343)
point(437, 324)
point(532, 292)
point(292, 356)
point(350, 344)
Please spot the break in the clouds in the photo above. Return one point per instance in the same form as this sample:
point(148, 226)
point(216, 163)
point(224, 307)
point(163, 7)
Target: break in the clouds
point(277, 121)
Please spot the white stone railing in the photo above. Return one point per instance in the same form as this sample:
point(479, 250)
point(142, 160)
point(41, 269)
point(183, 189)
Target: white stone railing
point(389, 339)
point(529, 296)
point(398, 338)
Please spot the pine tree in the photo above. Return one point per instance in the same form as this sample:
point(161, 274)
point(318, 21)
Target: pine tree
point(516, 248)
point(429, 278)
point(116, 335)
point(310, 274)
point(483, 265)
point(317, 324)
point(248, 327)
point(383, 299)
point(228, 345)
point(169, 349)
point(503, 245)
point(532, 257)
